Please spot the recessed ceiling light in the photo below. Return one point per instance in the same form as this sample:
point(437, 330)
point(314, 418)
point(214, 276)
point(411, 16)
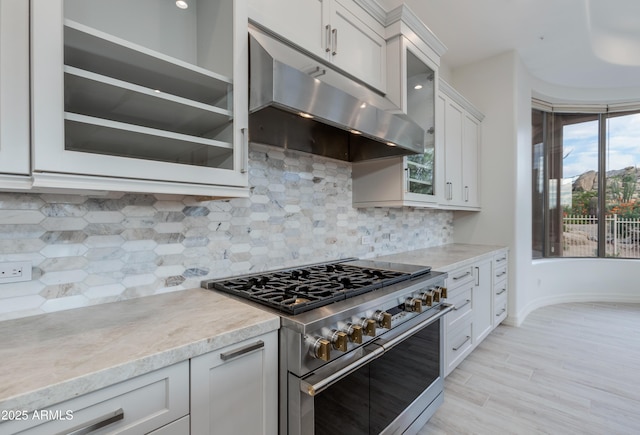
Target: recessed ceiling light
point(363, 105)
point(305, 115)
point(417, 87)
point(182, 4)
point(355, 132)
point(391, 144)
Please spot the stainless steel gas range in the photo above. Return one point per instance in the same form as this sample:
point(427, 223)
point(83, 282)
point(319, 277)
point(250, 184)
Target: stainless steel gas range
point(361, 344)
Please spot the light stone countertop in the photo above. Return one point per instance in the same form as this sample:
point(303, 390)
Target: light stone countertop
point(445, 258)
point(54, 357)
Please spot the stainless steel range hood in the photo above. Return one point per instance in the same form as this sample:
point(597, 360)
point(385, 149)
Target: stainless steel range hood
point(299, 103)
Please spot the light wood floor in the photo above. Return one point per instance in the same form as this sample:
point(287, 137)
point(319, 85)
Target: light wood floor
point(569, 369)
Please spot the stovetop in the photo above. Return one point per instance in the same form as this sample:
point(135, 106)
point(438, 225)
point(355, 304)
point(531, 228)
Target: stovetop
point(297, 290)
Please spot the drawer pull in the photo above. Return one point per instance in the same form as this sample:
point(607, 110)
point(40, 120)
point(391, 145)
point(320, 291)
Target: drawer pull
point(455, 278)
point(501, 291)
point(503, 273)
point(467, 302)
point(241, 351)
point(96, 423)
point(500, 260)
point(501, 312)
point(462, 344)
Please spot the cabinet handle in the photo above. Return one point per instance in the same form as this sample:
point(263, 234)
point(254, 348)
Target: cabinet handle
point(503, 273)
point(466, 193)
point(455, 278)
point(244, 151)
point(241, 351)
point(334, 50)
point(500, 260)
point(461, 344)
point(477, 276)
point(96, 423)
point(501, 291)
point(501, 312)
point(327, 39)
point(467, 302)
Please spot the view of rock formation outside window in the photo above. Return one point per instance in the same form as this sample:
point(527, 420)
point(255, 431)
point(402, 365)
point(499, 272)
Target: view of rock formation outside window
point(566, 199)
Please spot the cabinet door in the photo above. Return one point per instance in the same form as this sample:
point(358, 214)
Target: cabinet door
point(14, 87)
point(356, 48)
point(483, 301)
point(234, 389)
point(453, 117)
point(470, 155)
point(303, 22)
point(130, 101)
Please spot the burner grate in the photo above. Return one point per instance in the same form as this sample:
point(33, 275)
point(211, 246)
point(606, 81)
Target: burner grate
point(295, 291)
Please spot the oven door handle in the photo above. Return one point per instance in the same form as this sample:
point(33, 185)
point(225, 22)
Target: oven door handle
point(324, 383)
point(315, 388)
point(391, 343)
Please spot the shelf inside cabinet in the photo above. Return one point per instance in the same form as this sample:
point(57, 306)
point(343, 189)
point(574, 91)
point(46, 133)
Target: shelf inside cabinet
point(92, 50)
point(100, 136)
point(99, 96)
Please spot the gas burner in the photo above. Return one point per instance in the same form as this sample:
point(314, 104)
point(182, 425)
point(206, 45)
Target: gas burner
point(294, 291)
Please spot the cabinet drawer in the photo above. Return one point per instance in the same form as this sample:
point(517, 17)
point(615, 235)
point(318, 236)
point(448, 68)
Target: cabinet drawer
point(500, 273)
point(459, 344)
point(462, 302)
point(500, 309)
point(138, 405)
point(500, 289)
point(459, 277)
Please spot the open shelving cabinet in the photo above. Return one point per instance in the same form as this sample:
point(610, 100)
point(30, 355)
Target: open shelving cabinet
point(140, 96)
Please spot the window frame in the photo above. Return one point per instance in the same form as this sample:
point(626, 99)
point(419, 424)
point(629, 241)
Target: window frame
point(541, 205)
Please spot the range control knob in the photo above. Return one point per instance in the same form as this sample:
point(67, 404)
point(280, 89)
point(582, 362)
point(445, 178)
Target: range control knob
point(322, 349)
point(413, 304)
point(369, 327)
point(427, 298)
point(437, 294)
point(383, 319)
point(339, 341)
point(443, 292)
point(354, 332)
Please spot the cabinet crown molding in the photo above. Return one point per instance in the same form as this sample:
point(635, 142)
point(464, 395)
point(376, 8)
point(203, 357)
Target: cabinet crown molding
point(450, 92)
point(373, 8)
point(404, 14)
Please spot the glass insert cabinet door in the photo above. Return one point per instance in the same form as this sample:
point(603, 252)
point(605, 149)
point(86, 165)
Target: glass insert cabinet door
point(421, 108)
point(147, 89)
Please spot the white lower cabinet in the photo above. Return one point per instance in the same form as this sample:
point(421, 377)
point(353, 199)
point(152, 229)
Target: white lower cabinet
point(478, 293)
point(459, 322)
point(234, 390)
point(483, 301)
point(500, 288)
point(141, 405)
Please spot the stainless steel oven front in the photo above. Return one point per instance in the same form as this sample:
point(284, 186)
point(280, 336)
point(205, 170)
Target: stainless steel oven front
point(392, 385)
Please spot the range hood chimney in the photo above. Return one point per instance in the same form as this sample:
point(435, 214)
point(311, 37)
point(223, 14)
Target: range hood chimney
point(320, 111)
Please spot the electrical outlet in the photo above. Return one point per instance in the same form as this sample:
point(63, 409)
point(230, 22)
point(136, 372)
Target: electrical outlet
point(15, 272)
point(367, 240)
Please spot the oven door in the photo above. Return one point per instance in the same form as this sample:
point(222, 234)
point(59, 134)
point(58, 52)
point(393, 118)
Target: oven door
point(395, 383)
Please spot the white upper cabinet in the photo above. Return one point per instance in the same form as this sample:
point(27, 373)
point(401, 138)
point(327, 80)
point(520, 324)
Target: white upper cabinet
point(140, 96)
point(14, 93)
point(405, 181)
point(338, 32)
point(459, 132)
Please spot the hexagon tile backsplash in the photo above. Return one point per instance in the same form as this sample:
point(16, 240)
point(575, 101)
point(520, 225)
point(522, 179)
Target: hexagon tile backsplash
point(90, 250)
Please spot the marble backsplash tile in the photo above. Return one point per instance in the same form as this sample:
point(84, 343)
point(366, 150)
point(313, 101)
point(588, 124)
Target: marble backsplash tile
point(91, 250)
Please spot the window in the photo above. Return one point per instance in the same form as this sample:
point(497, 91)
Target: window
point(586, 195)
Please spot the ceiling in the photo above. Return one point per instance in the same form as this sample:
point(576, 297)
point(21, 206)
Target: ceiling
point(574, 43)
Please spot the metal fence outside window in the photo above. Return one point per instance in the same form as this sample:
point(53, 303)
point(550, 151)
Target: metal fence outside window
point(580, 236)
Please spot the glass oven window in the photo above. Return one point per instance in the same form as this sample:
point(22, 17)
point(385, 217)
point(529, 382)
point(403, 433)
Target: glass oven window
point(368, 400)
